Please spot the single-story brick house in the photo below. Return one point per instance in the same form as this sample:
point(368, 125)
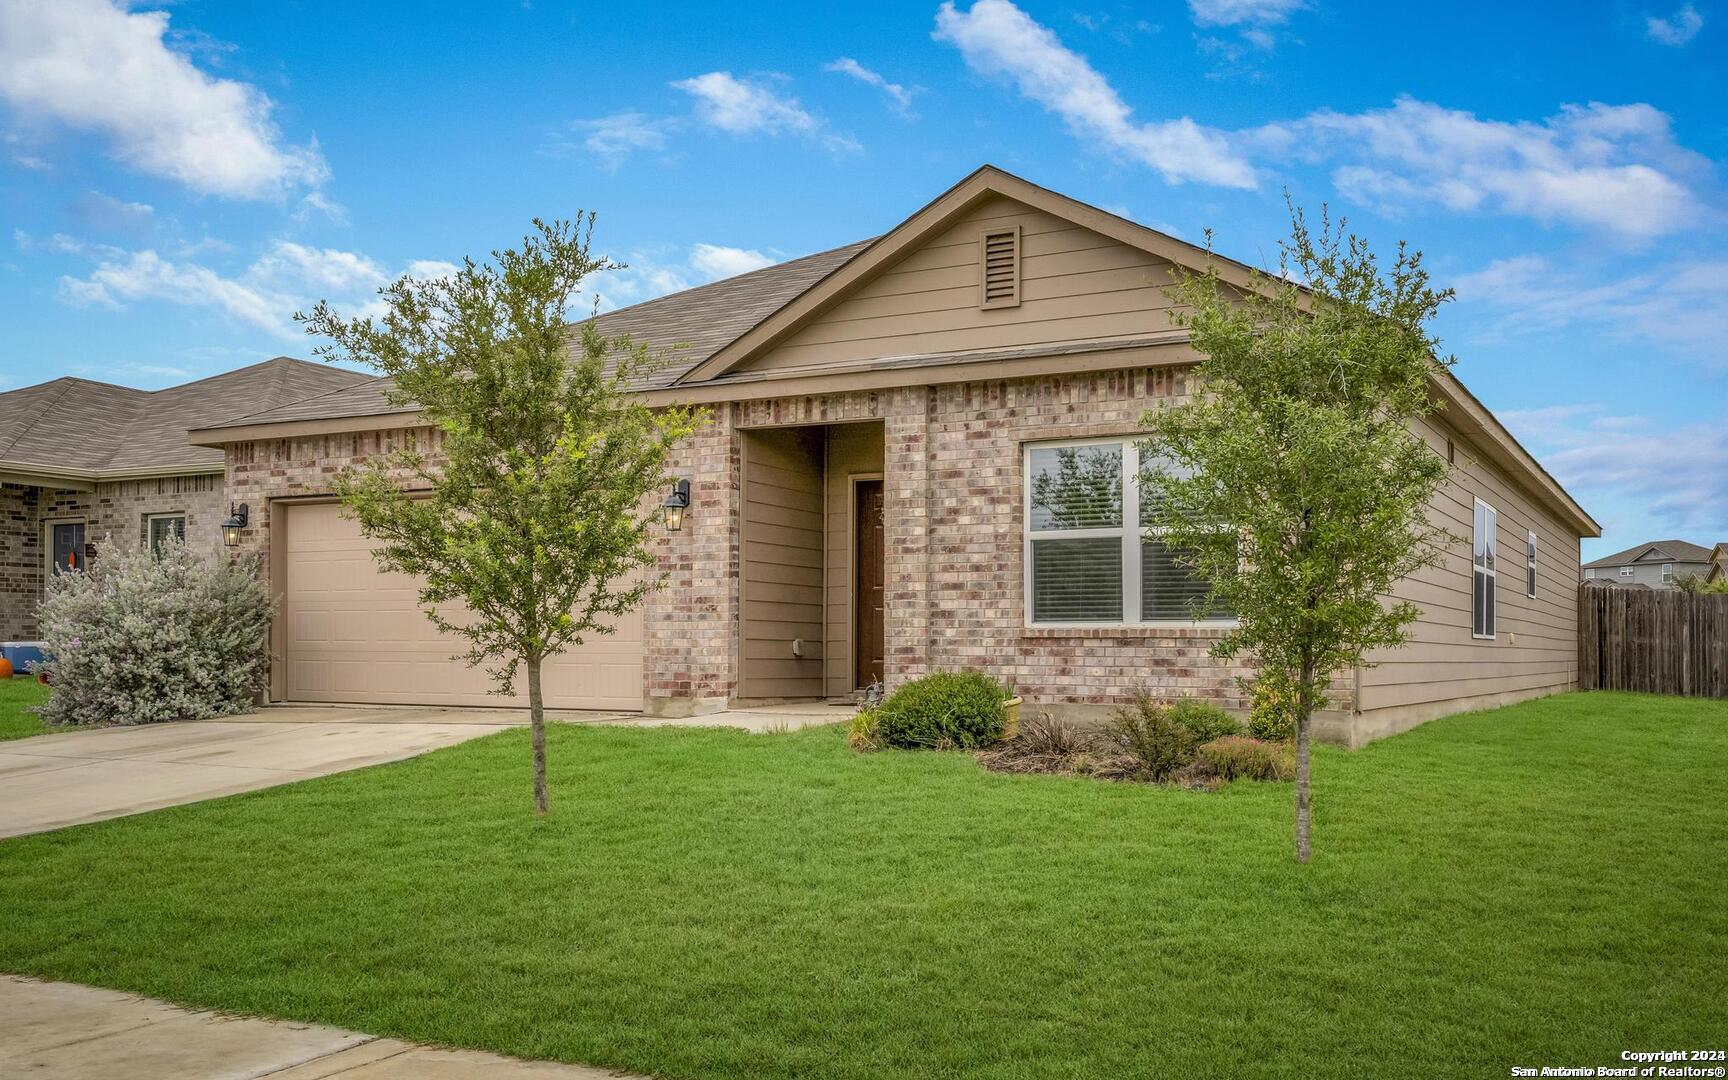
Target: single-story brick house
point(86, 463)
point(863, 507)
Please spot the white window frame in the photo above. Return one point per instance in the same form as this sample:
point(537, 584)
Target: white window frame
point(1530, 576)
point(1667, 573)
point(1489, 569)
point(1589, 573)
point(1628, 571)
point(1129, 532)
point(150, 524)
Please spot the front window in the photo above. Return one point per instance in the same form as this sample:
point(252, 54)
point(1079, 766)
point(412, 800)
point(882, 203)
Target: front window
point(1091, 554)
point(165, 527)
point(1485, 551)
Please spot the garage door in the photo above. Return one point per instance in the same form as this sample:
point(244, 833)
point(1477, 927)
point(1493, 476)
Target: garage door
point(353, 633)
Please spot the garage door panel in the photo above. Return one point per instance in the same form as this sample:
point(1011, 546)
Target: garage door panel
point(356, 634)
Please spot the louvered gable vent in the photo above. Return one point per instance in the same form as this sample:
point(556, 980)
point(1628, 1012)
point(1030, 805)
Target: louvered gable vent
point(999, 254)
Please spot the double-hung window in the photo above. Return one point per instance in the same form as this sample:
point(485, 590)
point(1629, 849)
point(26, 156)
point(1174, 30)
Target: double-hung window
point(1484, 552)
point(1091, 556)
point(1627, 571)
point(1667, 573)
point(1530, 566)
point(165, 527)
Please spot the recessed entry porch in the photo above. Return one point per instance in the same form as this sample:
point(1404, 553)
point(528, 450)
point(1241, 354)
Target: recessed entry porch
point(811, 561)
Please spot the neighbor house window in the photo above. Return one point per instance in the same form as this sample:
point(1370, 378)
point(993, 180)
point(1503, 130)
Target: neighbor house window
point(1530, 566)
point(1626, 571)
point(1667, 573)
point(164, 527)
point(1484, 552)
point(1091, 555)
point(1589, 574)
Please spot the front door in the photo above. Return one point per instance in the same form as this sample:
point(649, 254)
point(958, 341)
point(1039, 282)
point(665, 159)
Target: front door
point(868, 637)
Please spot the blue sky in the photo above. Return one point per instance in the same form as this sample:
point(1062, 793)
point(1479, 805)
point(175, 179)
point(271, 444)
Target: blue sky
point(178, 179)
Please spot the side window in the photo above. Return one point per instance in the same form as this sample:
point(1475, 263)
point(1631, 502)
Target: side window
point(1530, 554)
point(1483, 570)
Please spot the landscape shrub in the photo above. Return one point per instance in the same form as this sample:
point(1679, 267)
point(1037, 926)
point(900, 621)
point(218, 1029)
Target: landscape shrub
point(143, 637)
point(943, 711)
point(1044, 745)
point(1239, 757)
point(1272, 716)
point(1146, 741)
point(1206, 720)
point(864, 734)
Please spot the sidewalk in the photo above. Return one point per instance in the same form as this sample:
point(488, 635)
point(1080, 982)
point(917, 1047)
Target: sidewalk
point(63, 1031)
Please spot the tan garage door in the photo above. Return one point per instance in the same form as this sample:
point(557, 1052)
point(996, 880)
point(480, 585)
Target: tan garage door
point(355, 634)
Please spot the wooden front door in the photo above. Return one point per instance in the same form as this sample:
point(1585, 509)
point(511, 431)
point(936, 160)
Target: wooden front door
point(868, 639)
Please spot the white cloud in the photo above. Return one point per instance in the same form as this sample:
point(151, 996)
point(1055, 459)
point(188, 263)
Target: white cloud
point(998, 39)
point(288, 277)
point(1238, 12)
point(714, 261)
point(1654, 476)
point(753, 108)
point(1677, 29)
point(613, 138)
point(1680, 304)
point(91, 65)
point(655, 273)
point(900, 96)
point(1611, 167)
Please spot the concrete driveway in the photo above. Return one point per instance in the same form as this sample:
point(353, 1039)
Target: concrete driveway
point(52, 781)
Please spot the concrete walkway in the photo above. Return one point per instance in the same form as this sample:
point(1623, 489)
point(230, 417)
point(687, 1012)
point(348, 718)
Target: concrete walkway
point(62, 1031)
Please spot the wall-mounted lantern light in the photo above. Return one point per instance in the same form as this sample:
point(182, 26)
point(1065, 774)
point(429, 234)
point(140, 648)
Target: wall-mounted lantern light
point(675, 505)
point(232, 525)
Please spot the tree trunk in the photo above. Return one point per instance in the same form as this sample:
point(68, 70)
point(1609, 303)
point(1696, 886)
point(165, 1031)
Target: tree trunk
point(537, 724)
point(1304, 837)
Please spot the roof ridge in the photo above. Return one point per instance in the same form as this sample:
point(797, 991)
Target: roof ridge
point(277, 360)
point(42, 413)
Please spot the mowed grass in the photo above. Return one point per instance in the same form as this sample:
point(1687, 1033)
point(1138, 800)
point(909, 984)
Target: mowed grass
point(1538, 885)
point(17, 697)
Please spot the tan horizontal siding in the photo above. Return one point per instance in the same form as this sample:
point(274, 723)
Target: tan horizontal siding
point(1074, 284)
point(782, 564)
point(1536, 645)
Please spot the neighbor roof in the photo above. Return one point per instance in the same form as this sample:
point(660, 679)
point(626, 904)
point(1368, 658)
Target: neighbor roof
point(79, 429)
point(1668, 550)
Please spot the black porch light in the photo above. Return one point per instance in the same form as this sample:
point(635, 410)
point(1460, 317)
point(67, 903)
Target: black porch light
point(675, 505)
point(235, 521)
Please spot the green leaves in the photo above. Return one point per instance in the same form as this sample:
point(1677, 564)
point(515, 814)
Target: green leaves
point(1301, 437)
point(532, 507)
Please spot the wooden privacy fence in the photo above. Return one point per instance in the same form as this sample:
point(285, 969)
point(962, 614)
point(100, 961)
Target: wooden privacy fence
point(1655, 640)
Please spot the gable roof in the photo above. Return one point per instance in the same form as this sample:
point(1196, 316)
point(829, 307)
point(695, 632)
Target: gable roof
point(727, 323)
point(78, 430)
point(1665, 550)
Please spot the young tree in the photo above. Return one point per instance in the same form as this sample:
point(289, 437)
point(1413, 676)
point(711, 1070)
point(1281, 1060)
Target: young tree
point(1293, 480)
point(532, 511)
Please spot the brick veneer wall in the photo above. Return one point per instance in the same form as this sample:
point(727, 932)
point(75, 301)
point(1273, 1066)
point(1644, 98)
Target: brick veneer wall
point(953, 498)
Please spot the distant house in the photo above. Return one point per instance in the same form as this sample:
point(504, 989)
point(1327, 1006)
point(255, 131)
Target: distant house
point(1718, 563)
point(1656, 563)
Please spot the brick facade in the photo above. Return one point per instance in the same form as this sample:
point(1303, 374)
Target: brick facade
point(954, 543)
point(114, 513)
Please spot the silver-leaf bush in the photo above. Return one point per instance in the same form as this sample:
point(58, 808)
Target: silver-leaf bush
point(139, 638)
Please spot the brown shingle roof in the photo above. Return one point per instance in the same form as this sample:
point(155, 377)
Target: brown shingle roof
point(84, 427)
point(1675, 550)
point(686, 327)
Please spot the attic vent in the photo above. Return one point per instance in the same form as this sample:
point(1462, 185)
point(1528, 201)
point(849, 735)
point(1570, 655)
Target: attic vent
point(999, 282)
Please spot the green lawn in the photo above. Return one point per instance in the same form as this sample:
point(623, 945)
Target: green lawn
point(17, 696)
point(1537, 885)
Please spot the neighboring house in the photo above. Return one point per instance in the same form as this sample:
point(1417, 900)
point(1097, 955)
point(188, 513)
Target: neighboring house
point(1718, 564)
point(85, 463)
point(921, 457)
point(1656, 563)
